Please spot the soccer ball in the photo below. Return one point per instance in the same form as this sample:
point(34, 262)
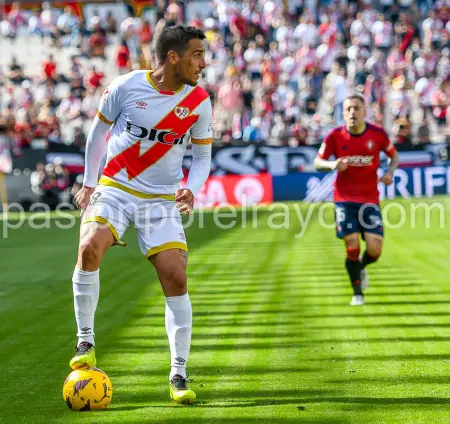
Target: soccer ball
point(87, 389)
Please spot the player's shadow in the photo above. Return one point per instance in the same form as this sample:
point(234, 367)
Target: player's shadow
point(239, 420)
point(378, 326)
point(382, 358)
point(214, 371)
point(381, 400)
point(368, 314)
point(397, 380)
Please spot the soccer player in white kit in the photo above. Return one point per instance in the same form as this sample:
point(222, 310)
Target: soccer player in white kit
point(150, 116)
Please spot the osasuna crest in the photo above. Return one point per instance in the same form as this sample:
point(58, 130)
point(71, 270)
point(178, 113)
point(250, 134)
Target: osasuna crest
point(370, 144)
point(181, 112)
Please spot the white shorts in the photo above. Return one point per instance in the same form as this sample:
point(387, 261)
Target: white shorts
point(156, 219)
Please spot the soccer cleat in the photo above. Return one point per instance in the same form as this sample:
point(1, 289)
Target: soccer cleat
point(364, 279)
point(84, 357)
point(357, 300)
point(179, 391)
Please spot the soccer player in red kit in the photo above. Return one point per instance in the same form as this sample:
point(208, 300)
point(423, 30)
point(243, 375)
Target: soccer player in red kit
point(356, 147)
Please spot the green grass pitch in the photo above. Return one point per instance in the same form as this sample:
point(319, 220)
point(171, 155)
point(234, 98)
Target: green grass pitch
point(274, 339)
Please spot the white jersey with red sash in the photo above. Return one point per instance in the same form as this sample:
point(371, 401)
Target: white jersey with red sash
point(151, 128)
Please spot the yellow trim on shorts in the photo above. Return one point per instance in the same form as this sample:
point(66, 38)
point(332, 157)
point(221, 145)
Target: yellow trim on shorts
point(103, 119)
point(106, 181)
point(109, 225)
point(201, 141)
point(166, 246)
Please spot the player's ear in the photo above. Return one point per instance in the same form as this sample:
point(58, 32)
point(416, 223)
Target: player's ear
point(173, 57)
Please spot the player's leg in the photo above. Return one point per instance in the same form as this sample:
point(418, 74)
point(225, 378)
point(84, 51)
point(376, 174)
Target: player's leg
point(353, 267)
point(372, 226)
point(171, 268)
point(347, 228)
point(98, 232)
point(95, 239)
point(374, 248)
point(164, 244)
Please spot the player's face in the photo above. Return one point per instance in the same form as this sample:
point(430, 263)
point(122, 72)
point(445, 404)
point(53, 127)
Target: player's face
point(354, 113)
point(192, 63)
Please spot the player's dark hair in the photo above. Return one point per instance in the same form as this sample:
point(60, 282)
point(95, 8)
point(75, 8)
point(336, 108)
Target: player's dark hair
point(176, 38)
point(357, 96)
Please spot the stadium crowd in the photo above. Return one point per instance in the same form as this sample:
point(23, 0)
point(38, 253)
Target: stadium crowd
point(278, 71)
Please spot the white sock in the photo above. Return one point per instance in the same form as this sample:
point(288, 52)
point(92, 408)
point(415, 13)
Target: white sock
point(86, 290)
point(179, 330)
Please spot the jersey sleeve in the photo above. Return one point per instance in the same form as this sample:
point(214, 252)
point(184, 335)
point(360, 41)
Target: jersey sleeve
point(201, 132)
point(111, 102)
point(327, 148)
point(386, 145)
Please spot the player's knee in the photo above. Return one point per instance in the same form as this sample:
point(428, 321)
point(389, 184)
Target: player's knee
point(353, 253)
point(352, 248)
point(90, 253)
point(176, 278)
point(352, 242)
point(374, 250)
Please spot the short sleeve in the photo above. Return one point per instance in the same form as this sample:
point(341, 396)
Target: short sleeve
point(386, 145)
point(110, 103)
point(201, 132)
point(327, 148)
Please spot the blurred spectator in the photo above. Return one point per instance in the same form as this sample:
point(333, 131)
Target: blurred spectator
point(68, 23)
point(288, 64)
point(110, 24)
point(15, 73)
point(79, 138)
point(253, 132)
point(123, 58)
point(94, 78)
point(97, 43)
point(229, 103)
point(402, 131)
point(423, 133)
point(49, 69)
point(34, 24)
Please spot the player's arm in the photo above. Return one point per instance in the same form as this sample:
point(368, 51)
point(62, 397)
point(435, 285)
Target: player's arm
point(107, 113)
point(322, 161)
point(201, 137)
point(391, 151)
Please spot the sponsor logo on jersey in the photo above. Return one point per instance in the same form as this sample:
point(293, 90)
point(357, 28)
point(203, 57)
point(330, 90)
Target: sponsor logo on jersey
point(181, 112)
point(162, 136)
point(141, 105)
point(359, 160)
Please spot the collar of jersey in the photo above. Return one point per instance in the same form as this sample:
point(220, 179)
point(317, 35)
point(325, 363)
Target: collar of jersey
point(166, 92)
point(356, 135)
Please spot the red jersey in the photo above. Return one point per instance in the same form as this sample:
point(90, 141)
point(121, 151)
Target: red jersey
point(359, 182)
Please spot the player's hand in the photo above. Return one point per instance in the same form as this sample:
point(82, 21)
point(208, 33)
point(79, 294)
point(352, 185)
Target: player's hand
point(83, 197)
point(341, 165)
point(184, 199)
point(387, 179)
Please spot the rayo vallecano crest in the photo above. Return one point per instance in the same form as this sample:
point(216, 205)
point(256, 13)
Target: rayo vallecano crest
point(181, 112)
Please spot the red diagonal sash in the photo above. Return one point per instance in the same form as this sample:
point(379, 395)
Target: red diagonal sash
point(135, 163)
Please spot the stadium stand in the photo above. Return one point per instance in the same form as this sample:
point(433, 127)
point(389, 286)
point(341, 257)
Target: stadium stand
point(278, 70)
